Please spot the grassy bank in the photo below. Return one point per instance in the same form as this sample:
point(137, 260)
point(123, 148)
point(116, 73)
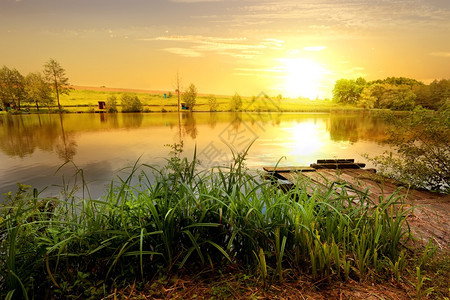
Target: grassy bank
point(186, 221)
point(80, 100)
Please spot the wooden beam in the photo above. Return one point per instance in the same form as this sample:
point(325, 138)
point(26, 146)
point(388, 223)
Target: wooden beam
point(288, 169)
point(335, 161)
point(338, 166)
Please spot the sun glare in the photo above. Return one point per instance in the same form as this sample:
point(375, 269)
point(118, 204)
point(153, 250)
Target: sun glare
point(301, 77)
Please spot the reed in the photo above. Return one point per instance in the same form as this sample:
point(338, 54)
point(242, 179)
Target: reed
point(158, 221)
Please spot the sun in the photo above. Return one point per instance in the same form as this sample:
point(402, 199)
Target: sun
point(302, 77)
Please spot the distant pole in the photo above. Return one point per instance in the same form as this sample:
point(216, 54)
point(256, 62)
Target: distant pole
point(178, 90)
point(179, 105)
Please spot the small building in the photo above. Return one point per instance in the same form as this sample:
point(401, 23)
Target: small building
point(101, 105)
point(183, 106)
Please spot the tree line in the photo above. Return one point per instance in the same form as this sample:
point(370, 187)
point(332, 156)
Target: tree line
point(37, 88)
point(396, 93)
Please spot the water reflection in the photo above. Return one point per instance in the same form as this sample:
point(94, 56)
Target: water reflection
point(32, 147)
point(349, 128)
point(67, 146)
point(132, 120)
point(189, 125)
point(21, 135)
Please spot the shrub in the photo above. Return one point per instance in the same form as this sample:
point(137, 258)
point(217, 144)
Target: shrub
point(190, 96)
point(111, 104)
point(131, 103)
point(236, 102)
point(421, 141)
point(212, 102)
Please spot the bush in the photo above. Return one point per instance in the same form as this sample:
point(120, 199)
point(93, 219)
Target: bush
point(421, 141)
point(212, 102)
point(236, 102)
point(131, 104)
point(111, 104)
point(190, 96)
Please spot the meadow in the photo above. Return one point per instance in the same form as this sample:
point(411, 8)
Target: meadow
point(86, 100)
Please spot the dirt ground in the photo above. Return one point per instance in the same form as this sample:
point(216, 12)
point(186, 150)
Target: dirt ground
point(232, 286)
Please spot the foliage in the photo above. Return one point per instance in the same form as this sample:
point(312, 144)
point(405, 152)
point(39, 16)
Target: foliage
point(190, 96)
point(12, 88)
point(130, 103)
point(396, 93)
point(55, 75)
point(384, 95)
point(348, 90)
point(111, 104)
point(38, 90)
point(212, 102)
point(421, 141)
point(398, 81)
point(434, 95)
point(236, 102)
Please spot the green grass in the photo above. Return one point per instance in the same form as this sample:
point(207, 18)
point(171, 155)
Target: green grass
point(86, 100)
point(154, 222)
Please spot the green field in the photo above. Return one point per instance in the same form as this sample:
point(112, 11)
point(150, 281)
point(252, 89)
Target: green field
point(87, 101)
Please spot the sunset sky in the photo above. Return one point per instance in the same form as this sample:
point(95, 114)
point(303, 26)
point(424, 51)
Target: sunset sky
point(293, 48)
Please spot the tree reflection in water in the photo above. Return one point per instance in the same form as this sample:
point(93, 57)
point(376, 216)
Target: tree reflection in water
point(66, 148)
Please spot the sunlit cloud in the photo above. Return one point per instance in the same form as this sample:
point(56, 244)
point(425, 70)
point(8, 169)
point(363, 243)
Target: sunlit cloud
point(274, 43)
point(440, 54)
point(194, 1)
point(359, 13)
point(238, 47)
point(183, 52)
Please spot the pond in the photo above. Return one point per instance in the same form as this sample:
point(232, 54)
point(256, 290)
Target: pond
point(34, 148)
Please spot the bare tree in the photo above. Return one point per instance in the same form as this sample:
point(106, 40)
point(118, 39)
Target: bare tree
point(178, 90)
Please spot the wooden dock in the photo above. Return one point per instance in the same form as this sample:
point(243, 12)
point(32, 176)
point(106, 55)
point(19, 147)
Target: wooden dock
point(430, 218)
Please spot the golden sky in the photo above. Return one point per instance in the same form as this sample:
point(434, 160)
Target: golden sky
point(293, 48)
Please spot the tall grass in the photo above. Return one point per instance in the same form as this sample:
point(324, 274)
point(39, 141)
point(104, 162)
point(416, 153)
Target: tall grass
point(155, 221)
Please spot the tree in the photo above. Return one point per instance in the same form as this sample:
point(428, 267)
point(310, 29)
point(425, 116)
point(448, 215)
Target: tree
point(439, 93)
point(367, 100)
point(55, 75)
point(236, 102)
point(12, 88)
point(190, 96)
point(398, 81)
point(212, 102)
point(397, 97)
point(38, 90)
point(130, 103)
point(111, 104)
point(348, 90)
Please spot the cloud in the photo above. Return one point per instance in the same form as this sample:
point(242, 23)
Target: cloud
point(194, 1)
point(349, 14)
point(271, 73)
point(183, 52)
point(238, 47)
point(440, 54)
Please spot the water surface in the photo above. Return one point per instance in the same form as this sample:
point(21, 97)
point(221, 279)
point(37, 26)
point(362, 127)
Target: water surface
point(34, 148)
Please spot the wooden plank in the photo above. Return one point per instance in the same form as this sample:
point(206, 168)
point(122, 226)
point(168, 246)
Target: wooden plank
point(384, 186)
point(289, 169)
point(303, 181)
point(335, 161)
point(338, 166)
point(426, 221)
